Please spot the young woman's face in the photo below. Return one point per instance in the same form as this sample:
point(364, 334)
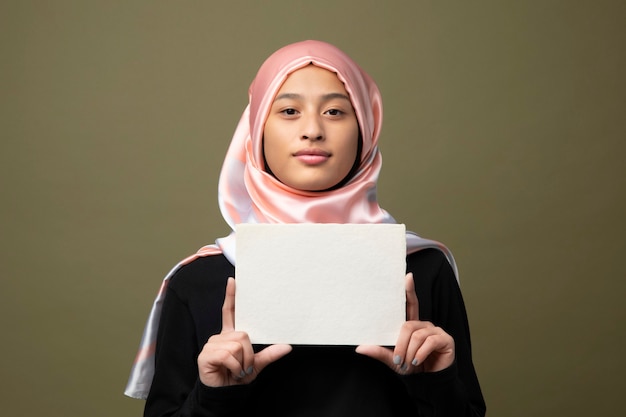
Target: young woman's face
point(311, 134)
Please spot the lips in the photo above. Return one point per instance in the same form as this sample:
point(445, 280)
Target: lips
point(312, 156)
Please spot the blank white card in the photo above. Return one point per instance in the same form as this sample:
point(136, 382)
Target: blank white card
point(320, 284)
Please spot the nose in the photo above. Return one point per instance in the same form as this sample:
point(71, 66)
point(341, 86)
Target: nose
point(312, 128)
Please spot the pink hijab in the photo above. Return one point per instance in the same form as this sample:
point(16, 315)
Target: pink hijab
point(248, 194)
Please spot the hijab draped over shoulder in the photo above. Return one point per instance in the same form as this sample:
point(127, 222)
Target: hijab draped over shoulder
point(249, 194)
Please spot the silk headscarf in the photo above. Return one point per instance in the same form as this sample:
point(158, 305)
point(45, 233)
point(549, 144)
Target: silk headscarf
point(249, 194)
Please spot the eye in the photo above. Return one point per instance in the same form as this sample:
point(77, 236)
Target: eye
point(289, 112)
point(334, 112)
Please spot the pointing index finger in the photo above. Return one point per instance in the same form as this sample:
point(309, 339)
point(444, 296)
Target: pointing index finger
point(228, 308)
point(412, 305)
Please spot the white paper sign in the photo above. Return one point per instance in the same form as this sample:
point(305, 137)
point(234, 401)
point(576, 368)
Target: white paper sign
point(320, 284)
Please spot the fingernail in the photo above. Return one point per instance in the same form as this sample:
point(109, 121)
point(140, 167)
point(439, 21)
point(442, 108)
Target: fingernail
point(249, 370)
point(397, 360)
point(242, 373)
point(414, 362)
point(404, 367)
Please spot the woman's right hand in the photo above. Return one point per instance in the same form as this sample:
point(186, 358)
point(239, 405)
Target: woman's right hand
point(228, 358)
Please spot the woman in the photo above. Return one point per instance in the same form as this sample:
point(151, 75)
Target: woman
point(305, 151)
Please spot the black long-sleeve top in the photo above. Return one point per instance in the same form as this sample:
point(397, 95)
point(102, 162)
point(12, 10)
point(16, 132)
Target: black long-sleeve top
point(310, 380)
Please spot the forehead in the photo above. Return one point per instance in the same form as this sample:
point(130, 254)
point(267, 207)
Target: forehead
point(312, 79)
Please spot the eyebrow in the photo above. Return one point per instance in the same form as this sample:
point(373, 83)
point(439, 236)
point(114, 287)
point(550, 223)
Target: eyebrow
point(325, 97)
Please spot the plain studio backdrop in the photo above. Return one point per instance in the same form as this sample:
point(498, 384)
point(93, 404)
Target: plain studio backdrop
point(504, 135)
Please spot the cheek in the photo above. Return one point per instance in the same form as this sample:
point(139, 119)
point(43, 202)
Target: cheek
point(267, 152)
point(270, 143)
point(352, 147)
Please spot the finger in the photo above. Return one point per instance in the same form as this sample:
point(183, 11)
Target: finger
point(412, 304)
point(438, 349)
point(239, 347)
point(216, 361)
point(248, 356)
point(229, 356)
point(379, 353)
point(268, 355)
point(228, 308)
point(416, 342)
point(404, 350)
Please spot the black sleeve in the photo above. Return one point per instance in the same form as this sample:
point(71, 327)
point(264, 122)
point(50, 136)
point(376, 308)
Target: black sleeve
point(454, 391)
point(176, 389)
point(192, 313)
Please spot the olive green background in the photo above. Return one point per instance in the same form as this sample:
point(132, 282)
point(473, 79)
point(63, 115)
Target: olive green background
point(504, 134)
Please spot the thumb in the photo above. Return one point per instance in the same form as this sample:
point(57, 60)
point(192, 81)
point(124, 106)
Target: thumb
point(268, 355)
point(379, 353)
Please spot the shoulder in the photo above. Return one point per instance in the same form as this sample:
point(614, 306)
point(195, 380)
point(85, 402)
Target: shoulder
point(206, 273)
point(428, 262)
point(435, 283)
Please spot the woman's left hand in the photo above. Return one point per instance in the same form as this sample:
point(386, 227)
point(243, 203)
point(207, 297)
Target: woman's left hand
point(421, 346)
